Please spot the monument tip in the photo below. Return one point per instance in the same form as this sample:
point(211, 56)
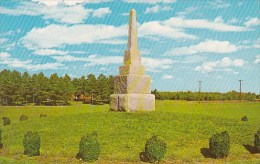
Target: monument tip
point(132, 11)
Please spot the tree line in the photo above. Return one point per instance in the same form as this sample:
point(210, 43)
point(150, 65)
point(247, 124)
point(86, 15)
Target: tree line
point(22, 88)
point(205, 96)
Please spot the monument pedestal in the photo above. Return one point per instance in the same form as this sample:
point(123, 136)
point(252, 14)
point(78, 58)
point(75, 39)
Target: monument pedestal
point(132, 102)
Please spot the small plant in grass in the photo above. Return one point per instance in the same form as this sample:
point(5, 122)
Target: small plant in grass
point(23, 118)
point(155, 149)
point(219, 145)
point(89, 148)
point(244, 118)
point(43, 115)
point(257, 141)
point(6, 121)
point(31, 143)
point(1, 144)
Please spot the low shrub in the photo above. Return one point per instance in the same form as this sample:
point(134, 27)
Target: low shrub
point(1, 144)
point(89, 148)
point(219, 145)
point(43, 115)
point(23, 118)
point(155, 149)
point(244, 118)
point(6, 121)
point(257, 141)
point(31, 143)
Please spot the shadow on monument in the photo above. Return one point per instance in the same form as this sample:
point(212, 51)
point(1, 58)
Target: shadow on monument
point(250, 148)
point(206, 153)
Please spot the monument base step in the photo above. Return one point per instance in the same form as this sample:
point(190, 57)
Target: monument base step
point(132, 102)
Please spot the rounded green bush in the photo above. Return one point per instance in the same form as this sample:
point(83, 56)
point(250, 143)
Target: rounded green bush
point(89, 148)
point(6, 121)
point(244, 118)
point(43, 115)
point(257, 141)
point(23, 118)
point(155, 149)
point(219, 145)
point(31, 143)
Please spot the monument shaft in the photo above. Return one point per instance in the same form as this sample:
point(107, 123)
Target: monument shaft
point(132, 87)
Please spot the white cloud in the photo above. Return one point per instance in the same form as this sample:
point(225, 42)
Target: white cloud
point(155, 29)
point(68, 2)
point(233, 20)
point(218, 4)
point(150, 1)
point(217, 25)
point(92, 56)
point(6, 59)
point(156, 64)
point(64, 14)
point(70, 14)
point(252, 22)
point(257, 60)
point(238, 62)
point(186, 11)
point(222, 64)
point(125, 14)
point(257, 45)
point(47, 52)
point(101, 12)
point(208, 46)
point(156, 9)
point(249, 44)
point(167, 77)
point(56, 35)
point(3, 40)
point(91, 60)
point(152, 64)
point(193, 59)
point(4, 55)
point(218, 19)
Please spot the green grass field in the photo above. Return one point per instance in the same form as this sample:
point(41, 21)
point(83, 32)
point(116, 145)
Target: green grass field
point(185, 126)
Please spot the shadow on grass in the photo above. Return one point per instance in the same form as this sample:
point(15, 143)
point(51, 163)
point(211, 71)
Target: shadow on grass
point(250, 148)
point(143, 157)
point(206, 153)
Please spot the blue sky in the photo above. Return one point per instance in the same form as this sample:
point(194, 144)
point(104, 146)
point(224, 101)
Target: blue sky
point(181, 41)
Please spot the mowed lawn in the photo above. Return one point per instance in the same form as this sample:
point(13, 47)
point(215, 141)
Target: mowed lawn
point(185, 126)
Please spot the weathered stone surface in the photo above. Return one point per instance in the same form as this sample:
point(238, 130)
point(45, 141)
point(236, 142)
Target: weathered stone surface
point(132, 32)
point(132, 102)
point(132, 57)
point(131, 69)
point(132, 84)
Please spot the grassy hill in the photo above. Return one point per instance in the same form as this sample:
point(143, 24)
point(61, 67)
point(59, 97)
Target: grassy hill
point(185, 126)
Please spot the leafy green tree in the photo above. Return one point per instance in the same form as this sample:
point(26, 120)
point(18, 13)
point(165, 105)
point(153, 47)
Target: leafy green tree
point(55, 93)
point(67, 88)
point(91, 86)
point(41, 88)
point(26, 87)
point(110, 83)
point(102, 87)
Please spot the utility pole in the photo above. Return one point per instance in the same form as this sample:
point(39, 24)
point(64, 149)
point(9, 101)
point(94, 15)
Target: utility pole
point(240, 88)
point(199, 89)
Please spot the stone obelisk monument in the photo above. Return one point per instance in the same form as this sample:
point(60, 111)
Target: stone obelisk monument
point(132, 87)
